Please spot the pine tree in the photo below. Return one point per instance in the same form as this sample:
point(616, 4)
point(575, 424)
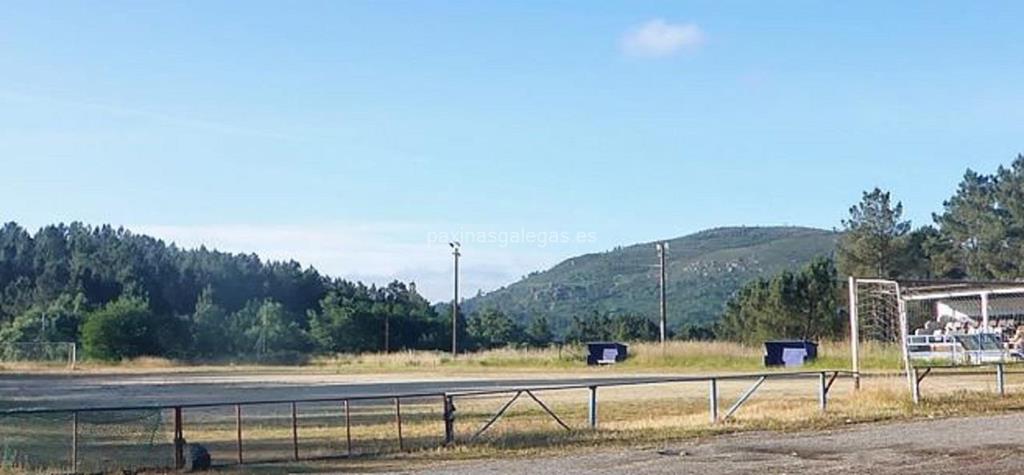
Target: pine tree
point(874, 238)
point(538, 333)
point(972, 230)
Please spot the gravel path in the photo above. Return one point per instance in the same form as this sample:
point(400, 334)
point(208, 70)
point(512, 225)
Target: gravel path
point(977, 445)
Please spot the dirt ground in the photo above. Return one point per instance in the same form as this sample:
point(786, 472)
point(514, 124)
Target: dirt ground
point(976, 445)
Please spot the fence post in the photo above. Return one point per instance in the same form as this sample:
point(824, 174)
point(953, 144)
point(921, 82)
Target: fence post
point(348, 429)
point(449, 420)
point(1000, 379)
point(593, 407)
point(713, 400)
point(398, 420)
point(74, 441)
point(295, 431)
point(822, 391)
point(179, 440)
point(238, 430)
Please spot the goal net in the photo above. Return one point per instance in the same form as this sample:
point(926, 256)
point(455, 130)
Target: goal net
point(939, 322)
point(47, 352)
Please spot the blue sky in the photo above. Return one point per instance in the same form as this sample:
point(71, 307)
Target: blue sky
point(356, 136)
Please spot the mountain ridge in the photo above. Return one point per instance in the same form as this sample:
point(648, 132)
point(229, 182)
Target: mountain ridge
point(704, 269)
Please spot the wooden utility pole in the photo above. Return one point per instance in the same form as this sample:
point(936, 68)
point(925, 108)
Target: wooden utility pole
point(455, 302)
point(662, 248)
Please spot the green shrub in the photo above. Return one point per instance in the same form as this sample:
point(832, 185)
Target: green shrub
point(124, 328)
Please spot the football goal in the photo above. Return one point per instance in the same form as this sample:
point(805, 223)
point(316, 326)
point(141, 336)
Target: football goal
point(47, 352)
point(938, 323)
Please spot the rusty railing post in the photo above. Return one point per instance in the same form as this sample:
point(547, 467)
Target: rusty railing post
point(348, 429)
point(592, 412)
point(238, 430)
point(713, 400)
point(915, 388)
point(295, 432)
point(74, 441)
point(449, 420)
point(398, 420)
point(179, 440)
point(822, 392)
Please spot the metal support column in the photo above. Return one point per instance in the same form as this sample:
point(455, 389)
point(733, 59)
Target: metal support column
point(348, 429)
point(713, 400)
point(1000, 379)
point(74, 442)
point(984, 312)
point(398, 421)
point(449, 420)
point(822, 391)
point(295, 432)
point(915, 385)
point(238, 431)
point(593, 408)
point(179, 440)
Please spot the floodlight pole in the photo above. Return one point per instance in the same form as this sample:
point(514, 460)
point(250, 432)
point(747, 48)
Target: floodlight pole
point(455, 302)
point(662, 247)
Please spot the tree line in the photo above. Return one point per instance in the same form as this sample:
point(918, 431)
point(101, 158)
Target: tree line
point(123, 295)
point(978, 235)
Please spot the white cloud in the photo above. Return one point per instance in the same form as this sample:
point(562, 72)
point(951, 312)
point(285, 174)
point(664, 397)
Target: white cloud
point(658, 38)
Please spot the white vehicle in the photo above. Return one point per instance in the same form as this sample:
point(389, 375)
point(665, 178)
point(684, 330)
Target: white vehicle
point(958, 348)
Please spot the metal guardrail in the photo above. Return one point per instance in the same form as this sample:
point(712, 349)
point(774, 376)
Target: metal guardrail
point(824, 379)
point(918, 373)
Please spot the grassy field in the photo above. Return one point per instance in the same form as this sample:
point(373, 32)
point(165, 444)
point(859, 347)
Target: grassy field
point(628, 416)
point(676, 356)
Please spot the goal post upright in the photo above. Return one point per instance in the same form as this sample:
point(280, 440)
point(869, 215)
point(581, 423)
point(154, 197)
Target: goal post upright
point(904, 336)
point(854, 334)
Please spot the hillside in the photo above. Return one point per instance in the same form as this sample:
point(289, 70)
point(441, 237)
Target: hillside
point(704, 269)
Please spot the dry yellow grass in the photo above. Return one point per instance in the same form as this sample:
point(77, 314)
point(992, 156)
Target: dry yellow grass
point(675, 356)
point(694, 356)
